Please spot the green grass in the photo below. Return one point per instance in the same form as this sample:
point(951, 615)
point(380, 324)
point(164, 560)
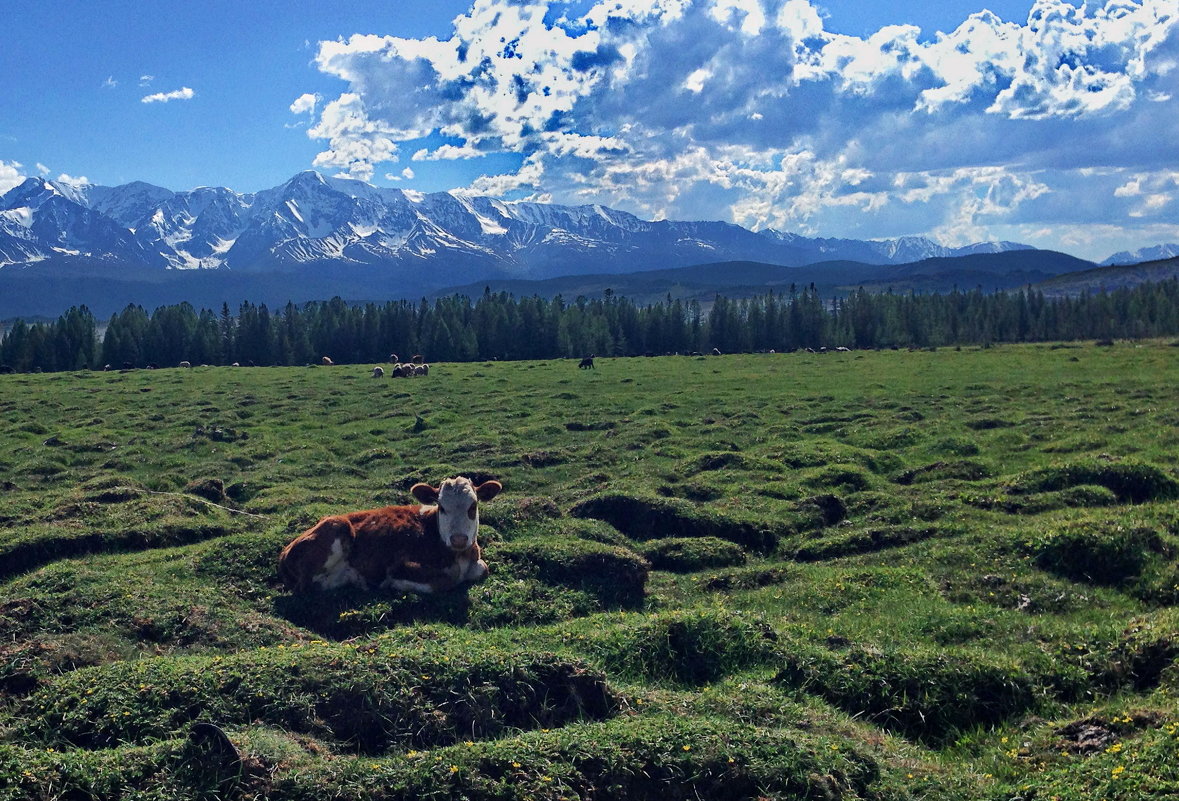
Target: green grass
point(946, 574)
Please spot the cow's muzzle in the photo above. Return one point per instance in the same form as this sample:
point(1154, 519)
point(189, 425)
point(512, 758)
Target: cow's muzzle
point(459, 542)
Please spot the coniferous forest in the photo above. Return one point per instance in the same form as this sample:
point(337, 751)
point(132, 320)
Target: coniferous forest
point(500, 326)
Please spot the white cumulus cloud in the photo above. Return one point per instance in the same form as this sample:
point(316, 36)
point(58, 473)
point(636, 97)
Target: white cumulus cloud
point(10, 175)
point(752, 110)
point(183, 93)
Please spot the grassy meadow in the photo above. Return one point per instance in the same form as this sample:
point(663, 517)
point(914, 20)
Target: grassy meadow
point(944, 574)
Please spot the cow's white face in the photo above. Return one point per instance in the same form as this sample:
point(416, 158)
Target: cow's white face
point(457, 500)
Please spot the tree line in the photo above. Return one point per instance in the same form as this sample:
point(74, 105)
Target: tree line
point(501, 326)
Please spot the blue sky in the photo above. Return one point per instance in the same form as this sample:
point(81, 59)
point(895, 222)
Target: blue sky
point(1043, 121)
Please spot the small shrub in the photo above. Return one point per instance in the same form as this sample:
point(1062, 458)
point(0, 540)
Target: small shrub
point(691, 554)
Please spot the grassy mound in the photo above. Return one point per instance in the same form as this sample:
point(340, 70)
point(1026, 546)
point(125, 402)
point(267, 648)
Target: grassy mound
point(644, 758)
point(614, 575)
point(1131, 482)
point(692, 648)
point(866, 541)
point(367, 698)
point(660, 518)
point(1099, 552)
point(689, 555)
point(925, 694)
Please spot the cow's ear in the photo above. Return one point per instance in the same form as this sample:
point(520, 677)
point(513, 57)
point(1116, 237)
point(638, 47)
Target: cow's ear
point(424, 493)
point(488, 490)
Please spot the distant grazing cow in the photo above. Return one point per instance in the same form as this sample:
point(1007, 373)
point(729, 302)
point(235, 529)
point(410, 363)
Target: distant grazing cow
point(417, 358)
point(326, 361)
point(423, 369)
point(842, 349)
point(186, 364)
point(393, 358)
point(378, 372)
point(716, 352)
point(400, 370)
point(428, 548)
point(586, 364)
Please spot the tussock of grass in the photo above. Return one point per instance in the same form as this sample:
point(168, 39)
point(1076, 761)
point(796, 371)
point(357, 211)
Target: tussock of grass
point(690, 648)
point(613, 574)
point(690, 555)
point(1096, 551)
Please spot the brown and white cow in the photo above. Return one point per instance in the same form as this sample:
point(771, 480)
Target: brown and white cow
point(427, 548)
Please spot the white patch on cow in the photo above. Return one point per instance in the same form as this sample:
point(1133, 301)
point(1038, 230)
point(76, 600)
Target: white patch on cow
point(405, 585)
point(337, 571)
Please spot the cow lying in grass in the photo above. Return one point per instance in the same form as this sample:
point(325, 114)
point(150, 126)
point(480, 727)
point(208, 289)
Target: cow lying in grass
point(428, 548)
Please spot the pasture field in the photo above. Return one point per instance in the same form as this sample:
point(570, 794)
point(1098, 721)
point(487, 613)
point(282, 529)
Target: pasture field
point(942, 574)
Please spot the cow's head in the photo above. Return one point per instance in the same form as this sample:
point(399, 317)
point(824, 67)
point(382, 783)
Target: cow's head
point(458, 508)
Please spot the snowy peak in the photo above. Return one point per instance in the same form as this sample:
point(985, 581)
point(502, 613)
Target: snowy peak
point(320, 223)
point(1153, 253)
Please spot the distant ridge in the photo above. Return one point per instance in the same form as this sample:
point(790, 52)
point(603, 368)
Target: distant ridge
point(1110, 278)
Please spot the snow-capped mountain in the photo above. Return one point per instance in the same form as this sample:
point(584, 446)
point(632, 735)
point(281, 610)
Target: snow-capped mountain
point(1153, 253)
point(315, 223)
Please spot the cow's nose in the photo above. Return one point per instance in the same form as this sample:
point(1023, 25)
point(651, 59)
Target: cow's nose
point(458, 541)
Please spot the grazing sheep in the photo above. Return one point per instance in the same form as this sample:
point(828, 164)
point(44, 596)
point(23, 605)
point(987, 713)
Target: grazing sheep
point(427, 548)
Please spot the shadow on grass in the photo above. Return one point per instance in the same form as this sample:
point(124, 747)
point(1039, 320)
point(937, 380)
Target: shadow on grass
point(342, 614)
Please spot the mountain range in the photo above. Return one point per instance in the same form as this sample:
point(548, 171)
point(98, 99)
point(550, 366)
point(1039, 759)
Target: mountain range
point(313, 237)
